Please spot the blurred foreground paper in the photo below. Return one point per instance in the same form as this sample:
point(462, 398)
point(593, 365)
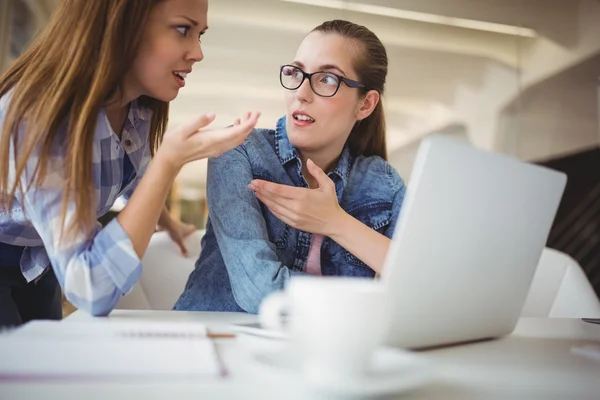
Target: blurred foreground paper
point(100, 350)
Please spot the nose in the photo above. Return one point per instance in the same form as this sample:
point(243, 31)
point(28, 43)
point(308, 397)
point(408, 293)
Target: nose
point(304, 93)
point(196, 54)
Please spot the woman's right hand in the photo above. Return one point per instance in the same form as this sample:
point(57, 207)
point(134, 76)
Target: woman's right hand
point(190, 142)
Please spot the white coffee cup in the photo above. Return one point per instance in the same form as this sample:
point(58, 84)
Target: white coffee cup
point(335, 323)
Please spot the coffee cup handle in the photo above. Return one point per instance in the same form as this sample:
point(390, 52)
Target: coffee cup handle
point(272, 309)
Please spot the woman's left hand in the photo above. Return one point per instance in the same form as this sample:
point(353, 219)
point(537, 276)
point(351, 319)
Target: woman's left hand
point(310, 210)
point(178, 231)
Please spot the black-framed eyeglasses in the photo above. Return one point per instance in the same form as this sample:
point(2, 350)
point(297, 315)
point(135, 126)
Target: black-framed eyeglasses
point(324, 84)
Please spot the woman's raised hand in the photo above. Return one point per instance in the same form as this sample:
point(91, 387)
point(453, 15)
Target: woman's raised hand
point(194, 141)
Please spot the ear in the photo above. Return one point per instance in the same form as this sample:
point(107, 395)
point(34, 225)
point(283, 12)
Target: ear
point(367, 105)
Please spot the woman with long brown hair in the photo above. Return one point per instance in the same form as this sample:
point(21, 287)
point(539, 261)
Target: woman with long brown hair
point(315, 195)
point(83, 117)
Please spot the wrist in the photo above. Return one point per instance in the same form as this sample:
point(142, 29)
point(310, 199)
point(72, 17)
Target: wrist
point(170, 165)
point(338, 225)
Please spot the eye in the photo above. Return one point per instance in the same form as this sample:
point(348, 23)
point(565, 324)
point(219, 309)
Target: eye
point(200, 35)
point(183, 29)
point(329, 79)
point(293, 72)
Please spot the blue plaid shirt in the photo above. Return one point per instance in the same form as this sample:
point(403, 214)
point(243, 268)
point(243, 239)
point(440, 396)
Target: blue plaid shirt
point(93, 270)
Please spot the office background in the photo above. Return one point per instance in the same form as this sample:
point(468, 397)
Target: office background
point(513, 76)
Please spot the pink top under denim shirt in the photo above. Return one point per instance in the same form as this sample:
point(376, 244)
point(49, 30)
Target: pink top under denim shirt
point(313, 262)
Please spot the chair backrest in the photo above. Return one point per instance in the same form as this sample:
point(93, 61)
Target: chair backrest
point(560, 289)
point(164, 273)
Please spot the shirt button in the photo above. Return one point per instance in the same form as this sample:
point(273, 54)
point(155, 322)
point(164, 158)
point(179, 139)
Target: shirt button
point(127, 143)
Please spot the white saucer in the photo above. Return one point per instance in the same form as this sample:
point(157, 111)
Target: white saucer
point(392, 371)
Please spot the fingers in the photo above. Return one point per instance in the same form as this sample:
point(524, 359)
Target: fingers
point(280, 202)
point(246, 116)
point(183, 248)
point(285, 219)
point(197, 123)
point(279, 210)
point(251, 118)
point(225, 139)
point(322, 179)
point(188, 229)
point(276, 189)
point(178, 240)
point(214, 142)
point(240, 125)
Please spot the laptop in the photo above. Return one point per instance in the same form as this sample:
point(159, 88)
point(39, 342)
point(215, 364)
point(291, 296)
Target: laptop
point(469, 237)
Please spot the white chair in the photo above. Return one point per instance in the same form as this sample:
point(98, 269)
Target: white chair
point(560, 289)
point(164, 273)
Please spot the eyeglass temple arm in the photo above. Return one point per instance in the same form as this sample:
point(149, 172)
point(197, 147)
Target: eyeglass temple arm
point(352, 84)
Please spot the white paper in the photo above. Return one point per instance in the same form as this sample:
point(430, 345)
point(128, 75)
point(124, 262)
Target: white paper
point(109, 328)
point(108, 350)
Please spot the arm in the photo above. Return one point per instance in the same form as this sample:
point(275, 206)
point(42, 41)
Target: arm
point(95, 269)
point(140, 216)
point(318, 211)
point(165, 220)
point(368, 245)
point(178, 231)
point(241, 232)
point(364, 243)
point(180, 146)
point(126, 195)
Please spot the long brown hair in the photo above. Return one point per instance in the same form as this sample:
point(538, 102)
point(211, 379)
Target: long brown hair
point(368, 136)
point(69, 72)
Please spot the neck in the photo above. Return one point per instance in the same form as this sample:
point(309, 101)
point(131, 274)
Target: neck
point(117, 107)
point(113, 107)
point(121, 99)
point(326, 162)
point(116, 110)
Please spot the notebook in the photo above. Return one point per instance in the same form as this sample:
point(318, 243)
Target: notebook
point(108, 350)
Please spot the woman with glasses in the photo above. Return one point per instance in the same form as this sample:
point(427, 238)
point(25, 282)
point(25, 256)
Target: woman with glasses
point(315, 195)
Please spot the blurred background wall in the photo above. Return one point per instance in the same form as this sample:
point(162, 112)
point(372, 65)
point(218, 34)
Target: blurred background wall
point(513, 76)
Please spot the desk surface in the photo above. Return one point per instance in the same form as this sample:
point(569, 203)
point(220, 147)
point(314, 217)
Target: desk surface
point(534, 362)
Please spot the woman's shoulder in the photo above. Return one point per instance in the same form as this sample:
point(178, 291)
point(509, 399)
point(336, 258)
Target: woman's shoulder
point(378, 171)
point(261, 136)
point(259, 140)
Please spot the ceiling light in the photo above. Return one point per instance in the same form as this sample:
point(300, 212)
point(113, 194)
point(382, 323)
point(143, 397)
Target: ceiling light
point(419, 16)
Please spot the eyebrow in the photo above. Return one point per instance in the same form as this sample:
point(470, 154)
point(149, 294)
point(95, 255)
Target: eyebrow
point(193, 21)
point(322, 67)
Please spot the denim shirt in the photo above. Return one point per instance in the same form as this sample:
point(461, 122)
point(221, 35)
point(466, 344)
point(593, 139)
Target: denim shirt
point(247, 252)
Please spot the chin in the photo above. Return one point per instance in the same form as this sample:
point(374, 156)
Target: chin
point(302, 143)
point(169, 98)
point(165, 95)
point(300, 138)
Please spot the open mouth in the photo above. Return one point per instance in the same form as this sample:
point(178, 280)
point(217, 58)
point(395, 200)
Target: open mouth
point(303, 118)
point(180, 77)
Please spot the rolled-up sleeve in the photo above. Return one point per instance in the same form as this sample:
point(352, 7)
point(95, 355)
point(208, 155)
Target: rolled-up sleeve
point(95, 268)
point(252, 263)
